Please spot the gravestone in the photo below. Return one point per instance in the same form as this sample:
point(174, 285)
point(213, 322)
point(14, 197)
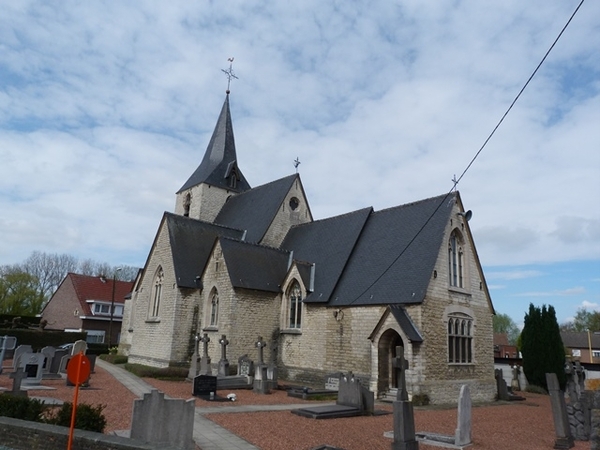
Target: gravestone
point(64, 362)
point(515, 384)
point(20, 350)
point(245, 366)
point(194, 361)
point(563, 440)
point(353, 400)
point(404, 418)
point(502, 388)
point(223, 370)
point(6, 343)
point(48, 353)
point(462, 434)
point(17, 378)
point(261, 381)
point(205, 368)
point(332, 381)
point(164, 421)
point(55, 363)
point(78, 347)
point(272, 367)
point(32, 364)
point(205, 386)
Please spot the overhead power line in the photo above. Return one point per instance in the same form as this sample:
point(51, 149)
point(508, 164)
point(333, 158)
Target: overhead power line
point(455, 180)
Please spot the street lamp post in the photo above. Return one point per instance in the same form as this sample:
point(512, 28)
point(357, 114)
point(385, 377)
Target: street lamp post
point(112, 307)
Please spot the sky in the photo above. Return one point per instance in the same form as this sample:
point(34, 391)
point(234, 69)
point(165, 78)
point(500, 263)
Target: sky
point(106, 108)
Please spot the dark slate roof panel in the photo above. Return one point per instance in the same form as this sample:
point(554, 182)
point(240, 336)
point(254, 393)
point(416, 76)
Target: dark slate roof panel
point(305, 269)
point(406, 324)
point(254, 210)
point(219, 158)
point(327, 243)
point(383, 245)
point(191, 243)
point(253, 266)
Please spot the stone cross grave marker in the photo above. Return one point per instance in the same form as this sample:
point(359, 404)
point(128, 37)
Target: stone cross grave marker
point(205, 368)
point(563, 440)
point(17, 378)
point(515, 384)
point(7, 343)
point(223, 363)
point(404, 418)
point(401, 365)
point(261, 383)
point(32, 364)
point(169, 422)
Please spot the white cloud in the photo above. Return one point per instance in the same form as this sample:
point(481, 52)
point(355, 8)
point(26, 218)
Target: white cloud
point(106, 109)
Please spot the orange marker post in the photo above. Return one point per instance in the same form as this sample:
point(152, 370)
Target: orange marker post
point(78, 371)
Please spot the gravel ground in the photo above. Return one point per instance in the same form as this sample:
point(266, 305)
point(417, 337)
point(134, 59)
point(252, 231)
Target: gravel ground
point(500, 426)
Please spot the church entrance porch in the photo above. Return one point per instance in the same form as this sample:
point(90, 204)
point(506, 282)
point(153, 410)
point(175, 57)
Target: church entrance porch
point(386, 350)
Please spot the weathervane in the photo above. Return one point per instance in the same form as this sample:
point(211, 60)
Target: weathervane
point(455, 182)
point(229, 73)
point(297, 163)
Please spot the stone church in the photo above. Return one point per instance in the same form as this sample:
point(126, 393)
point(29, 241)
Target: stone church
point(337, 294)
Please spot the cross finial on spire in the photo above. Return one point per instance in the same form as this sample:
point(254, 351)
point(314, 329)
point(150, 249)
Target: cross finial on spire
point(229, 73)
point(297, 163)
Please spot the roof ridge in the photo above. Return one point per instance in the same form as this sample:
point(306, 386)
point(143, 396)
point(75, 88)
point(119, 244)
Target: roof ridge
point(180, 217)
point(416, 202)
point(339, 216)
point(255, 244)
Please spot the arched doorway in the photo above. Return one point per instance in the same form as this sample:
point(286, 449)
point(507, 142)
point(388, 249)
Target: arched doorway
point(386, 350)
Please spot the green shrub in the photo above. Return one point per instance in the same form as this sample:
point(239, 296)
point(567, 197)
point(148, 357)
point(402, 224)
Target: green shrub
point(535, 389)
point(87, 417)
point(168, 373)
point(420, 400)
point(23, 408)
point(114, 359)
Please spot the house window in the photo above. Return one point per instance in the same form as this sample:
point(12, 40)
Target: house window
point(460, 339)
point(157, 292)
point(595, 353)
point(455, 260)
point(575, 352)
point(95, 336)
point(101, 309)
point(295, 306)
point(214, 309)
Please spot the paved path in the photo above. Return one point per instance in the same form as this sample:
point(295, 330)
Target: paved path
point(207, 434)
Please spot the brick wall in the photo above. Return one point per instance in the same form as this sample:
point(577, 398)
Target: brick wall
point(22, 435)
point(64, 309)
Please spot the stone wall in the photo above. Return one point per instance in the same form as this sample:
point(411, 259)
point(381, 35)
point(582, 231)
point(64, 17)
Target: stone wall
point(151, 343)
point(206, 201)
point(22, 435)
point(287, 217)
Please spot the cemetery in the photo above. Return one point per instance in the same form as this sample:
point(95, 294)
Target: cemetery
point(179, 414)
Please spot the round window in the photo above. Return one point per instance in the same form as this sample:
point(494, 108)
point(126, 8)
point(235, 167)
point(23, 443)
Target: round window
point(294, 203)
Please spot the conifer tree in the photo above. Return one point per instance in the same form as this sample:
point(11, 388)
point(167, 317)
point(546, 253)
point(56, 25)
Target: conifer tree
point(542, 347)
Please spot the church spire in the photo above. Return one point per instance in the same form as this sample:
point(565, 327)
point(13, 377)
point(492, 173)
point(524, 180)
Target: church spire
point(219, 165)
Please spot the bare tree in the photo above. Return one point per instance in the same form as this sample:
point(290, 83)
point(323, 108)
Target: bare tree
point(49, 269)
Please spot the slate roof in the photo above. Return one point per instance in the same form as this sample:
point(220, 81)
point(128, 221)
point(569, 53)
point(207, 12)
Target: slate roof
point(254, 266)
point(384, 243)
point(406, 324)
point(327, 243)
point(220, 158)
point(93, 288)
point(254, 210)
point(191, 243)
point(580, 340)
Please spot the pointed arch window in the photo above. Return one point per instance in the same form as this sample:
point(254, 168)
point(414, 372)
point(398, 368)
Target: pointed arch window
point(214, 308)
point(295, 306)
point(157, 288)
point(460, 339)
point(456, 260)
